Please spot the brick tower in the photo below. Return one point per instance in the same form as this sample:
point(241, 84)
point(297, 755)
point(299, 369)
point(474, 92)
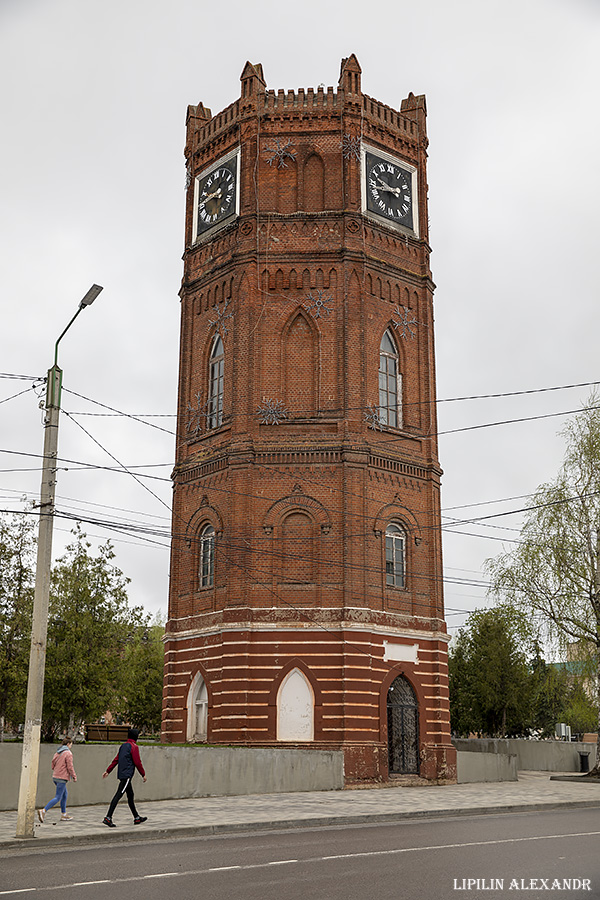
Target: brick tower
point(306, 601)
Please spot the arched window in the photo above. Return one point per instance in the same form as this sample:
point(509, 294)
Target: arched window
point(207, 557)
point(295, 708)
point(215, 384)
point(390, 383)
point(395, 556)
point(197, 710)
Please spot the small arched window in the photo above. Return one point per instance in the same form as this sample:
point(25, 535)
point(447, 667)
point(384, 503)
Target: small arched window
point(207, 557)
point(197, 710)
point(395, 556)
point(215, 384)
point(390, 384)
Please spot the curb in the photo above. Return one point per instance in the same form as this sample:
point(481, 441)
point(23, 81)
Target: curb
point(128, 836)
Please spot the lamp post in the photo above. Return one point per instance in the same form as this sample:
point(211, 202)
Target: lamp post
point(39, 624)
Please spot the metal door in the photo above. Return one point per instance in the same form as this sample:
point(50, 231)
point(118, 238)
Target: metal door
point(403, 728)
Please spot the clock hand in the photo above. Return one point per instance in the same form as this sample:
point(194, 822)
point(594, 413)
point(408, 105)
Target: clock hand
point(216, 193)
point(387, 187)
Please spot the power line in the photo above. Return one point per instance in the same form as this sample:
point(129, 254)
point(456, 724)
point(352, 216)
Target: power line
point(139, 417)
point(118, 412)
point(568, 412)
point(275, 554)
point(22, 377)
point(114, 458)
point(20, 394)
point(562, 387)
point(128, 470)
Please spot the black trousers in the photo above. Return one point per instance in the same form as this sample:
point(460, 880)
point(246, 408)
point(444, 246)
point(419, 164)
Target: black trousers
point(125, 787)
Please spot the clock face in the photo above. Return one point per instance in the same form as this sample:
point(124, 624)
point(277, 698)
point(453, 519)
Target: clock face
point(216, 195)
point(390, 189)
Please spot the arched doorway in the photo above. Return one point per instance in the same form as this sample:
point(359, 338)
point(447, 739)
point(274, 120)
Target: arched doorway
point(403, 728)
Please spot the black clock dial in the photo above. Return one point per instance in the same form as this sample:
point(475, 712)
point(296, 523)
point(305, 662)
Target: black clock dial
point(217, 193)
point(389, 190)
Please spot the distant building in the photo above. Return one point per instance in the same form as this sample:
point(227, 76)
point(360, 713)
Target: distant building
point(306, 603)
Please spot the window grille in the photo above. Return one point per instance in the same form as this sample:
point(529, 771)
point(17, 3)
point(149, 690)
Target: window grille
point(215, 386)
point(207, 556)
point(395, 549)
point(390, 412)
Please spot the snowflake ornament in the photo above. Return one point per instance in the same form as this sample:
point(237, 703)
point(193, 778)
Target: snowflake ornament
point(372, 417)
point(198, 418)
point(350, 147)
point(406, 321)
point(272, 412)
point(318, 305)
point(219, 324)
point(280, 153)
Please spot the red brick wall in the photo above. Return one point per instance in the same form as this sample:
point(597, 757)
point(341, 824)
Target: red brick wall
point(300, 508)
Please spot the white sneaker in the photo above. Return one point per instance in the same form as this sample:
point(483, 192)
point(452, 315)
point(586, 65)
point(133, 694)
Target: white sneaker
point(65, 818)
point(41, 814)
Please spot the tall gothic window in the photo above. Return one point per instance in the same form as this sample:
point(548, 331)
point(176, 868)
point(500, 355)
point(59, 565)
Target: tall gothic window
point(395, 556)
point(390, 400)
point(207, 557)
point(215, 384)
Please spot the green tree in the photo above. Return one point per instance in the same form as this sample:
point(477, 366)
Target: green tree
point(553, 573)
point(580, 712)
point(16, 603)
point(550, 694)
point(490, 680)
point(90, 625)
point(142, 683)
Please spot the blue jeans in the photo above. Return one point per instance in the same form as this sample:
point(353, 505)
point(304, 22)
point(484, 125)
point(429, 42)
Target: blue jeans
point(60, 797)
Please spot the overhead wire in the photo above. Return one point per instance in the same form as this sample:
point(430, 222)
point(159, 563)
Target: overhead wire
point(228, 490)
point(135, 418)
point(19, 394)
point(454, 524)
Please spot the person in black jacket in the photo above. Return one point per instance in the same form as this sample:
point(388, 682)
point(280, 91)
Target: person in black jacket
point(127, 760)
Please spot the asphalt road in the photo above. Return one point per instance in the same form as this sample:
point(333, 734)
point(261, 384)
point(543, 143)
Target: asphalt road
point(533, 855)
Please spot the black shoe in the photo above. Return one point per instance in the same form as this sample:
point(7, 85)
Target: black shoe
point(139, 819)
point(109, 822)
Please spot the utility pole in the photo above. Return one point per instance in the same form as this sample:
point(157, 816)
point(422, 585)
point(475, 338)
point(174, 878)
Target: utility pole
point(597, 613)
point(39, 625)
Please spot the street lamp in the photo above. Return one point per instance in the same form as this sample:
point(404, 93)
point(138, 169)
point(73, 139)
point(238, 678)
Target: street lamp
point(39, 625)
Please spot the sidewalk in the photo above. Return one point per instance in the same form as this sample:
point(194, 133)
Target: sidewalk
point(221, 815)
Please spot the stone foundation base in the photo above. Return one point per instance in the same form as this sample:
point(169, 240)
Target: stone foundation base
point(438, 762)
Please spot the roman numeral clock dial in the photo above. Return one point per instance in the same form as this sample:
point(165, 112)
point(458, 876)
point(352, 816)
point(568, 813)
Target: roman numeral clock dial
point(216, 195)
point(389, 190)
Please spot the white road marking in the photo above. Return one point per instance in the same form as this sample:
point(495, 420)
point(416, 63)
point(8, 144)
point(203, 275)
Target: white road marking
point(315, 859)
point(162, 875)
point(223, 868)
point(20, 891)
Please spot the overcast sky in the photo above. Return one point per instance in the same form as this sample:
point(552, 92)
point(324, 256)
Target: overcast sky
point(91, 161)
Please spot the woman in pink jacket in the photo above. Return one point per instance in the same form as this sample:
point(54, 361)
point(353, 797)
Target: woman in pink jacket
point(62, 772)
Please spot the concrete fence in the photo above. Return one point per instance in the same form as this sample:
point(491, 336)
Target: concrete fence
point(178, 772)
point(474, 766)
point(484, 756)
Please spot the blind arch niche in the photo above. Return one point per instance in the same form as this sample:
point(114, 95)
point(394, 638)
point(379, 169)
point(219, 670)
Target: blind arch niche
point(295, 708)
